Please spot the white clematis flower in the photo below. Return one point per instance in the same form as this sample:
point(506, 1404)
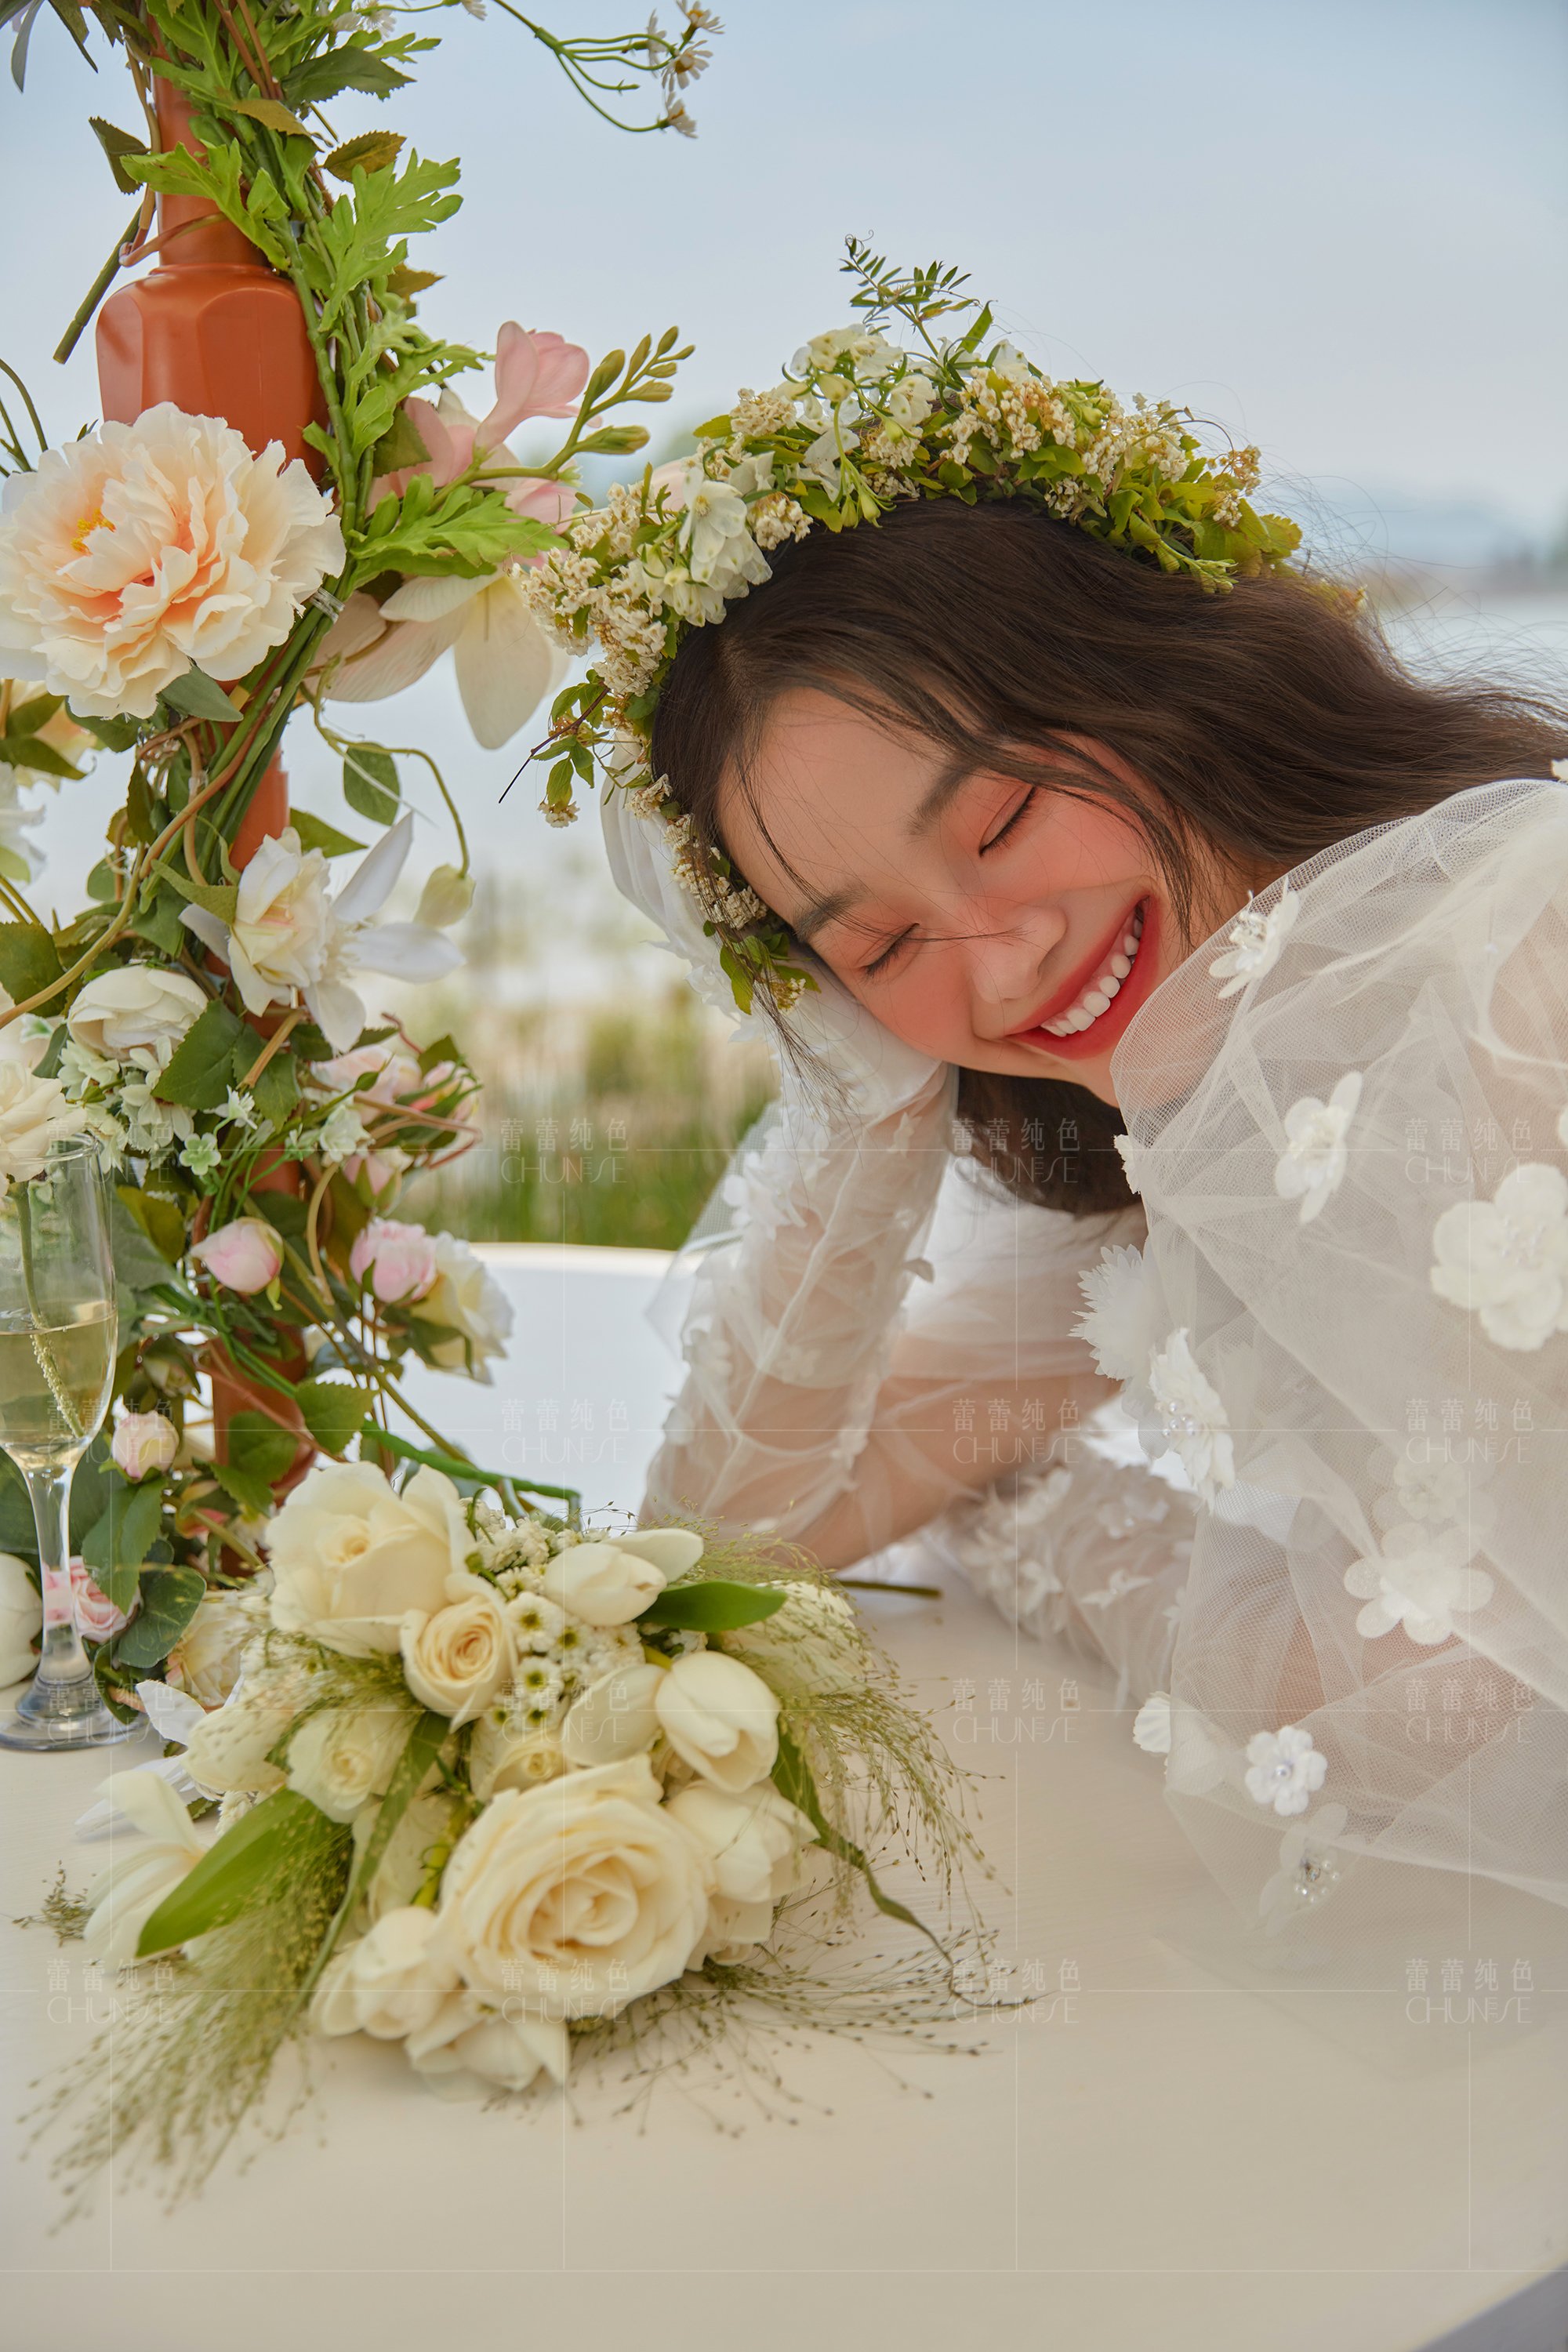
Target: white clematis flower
point(1312, 1165)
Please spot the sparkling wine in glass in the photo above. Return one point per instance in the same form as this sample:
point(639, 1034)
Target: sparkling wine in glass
point(58, 1342)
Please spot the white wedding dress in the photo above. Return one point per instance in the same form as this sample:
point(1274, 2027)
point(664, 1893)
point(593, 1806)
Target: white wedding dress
point(1348, 1580)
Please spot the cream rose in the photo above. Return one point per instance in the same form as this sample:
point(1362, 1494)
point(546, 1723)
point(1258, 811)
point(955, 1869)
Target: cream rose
point(390, 1983)
point(508, 1755)
point(608, 1581)
point(468, 2051)
point(205, 1661)
point(467, 1303)
point(615, 1717)
point(129, 555)
point(141, 1005)
point(756, 1840)
point(343, 1756)
point(456, 1660)
point(351, 1557)
point(720, 1718)
point(578, 1897)
point(21, 1619)
point(34, 1113)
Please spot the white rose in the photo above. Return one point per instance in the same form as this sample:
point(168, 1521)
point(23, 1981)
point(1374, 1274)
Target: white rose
point(34, 1113)
point(469, 2051)
point(456, 1660)
point(390, 1983)
point(579, 1896)
point(720, 1718)
point(615, 1717)
point(206, 1659)
point(21, 1619)
point(228, 1750)
point(141, 548)
point(756, 1840)
point(467, 1302)
point(351, 1557)
point(814, 1642)
point(509, 1755)
point(341, 1756)
point(139, 1004)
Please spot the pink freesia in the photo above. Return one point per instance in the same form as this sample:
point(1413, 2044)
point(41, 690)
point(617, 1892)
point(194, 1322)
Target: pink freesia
point(97, 1618)
point(399, 1259)
point(144, 1441)
point(538, 374)
point(393, 1070)
point(245, 1254)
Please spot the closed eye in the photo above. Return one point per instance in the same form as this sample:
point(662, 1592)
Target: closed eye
point(1009, 824)
point(888, 956)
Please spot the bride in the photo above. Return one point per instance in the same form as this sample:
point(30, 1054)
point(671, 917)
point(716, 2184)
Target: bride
point(1170, 991)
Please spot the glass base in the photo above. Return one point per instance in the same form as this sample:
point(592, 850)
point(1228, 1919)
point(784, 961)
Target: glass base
point(58, 1713)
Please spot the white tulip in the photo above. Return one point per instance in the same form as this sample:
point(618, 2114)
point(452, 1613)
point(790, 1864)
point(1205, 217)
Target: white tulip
point(603, 1583)
point(720, 1718)
point(615, 1717)
point(123, 1897)
point(756, 1840)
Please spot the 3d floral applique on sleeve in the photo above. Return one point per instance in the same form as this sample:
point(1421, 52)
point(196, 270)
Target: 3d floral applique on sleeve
point(1311, 1168)
point(1254, 941)
point(1506, 1260)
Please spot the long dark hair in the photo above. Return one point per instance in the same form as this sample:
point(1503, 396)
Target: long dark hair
point(1270, 721)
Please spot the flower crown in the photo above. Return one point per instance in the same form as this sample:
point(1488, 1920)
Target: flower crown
point(859, 425)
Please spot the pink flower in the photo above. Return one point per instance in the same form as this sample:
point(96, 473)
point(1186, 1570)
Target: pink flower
point(144, 1441)
point(245, 1254)
point(97, 1618)
point(393, 1070)
point(400, 1260)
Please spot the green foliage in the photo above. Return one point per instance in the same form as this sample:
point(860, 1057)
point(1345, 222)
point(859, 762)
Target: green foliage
point(714, 1606)
point(201, 1069)
point(170, 1599)
point(161, 1219)
point(464, 531)
point(234, 1873)
point(332, 1411)
point(370, 784)
point(258, 1446)
point(200, 697)
point(315, 833)
point(29, 960)
point(116, 1546)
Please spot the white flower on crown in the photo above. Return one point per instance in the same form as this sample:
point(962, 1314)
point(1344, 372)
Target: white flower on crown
point(1121, 1301)
point(1308, 1870)
point(1311, 1168)
point(1506, 1259)
point(1419, 1578)
point(713, 513)
point(1284, 1768)
point(1190, 1417)
point(1254, 941)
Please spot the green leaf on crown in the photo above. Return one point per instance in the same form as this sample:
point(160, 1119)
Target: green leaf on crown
point(270, 112)
point(372, 151)
point(201, 696)
point(315, 833)
point(347, 68)
point(117, 144)
point(277, 1091)
point(201, 1069)
point(28, 960)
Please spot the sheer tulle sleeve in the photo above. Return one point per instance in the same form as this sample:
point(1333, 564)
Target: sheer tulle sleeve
point(1349, 1129)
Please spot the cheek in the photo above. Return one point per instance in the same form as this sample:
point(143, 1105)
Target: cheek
point(928, 1006)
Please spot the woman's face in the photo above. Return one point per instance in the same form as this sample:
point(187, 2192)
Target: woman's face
point(989, 923)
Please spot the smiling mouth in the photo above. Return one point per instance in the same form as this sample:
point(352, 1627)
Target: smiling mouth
point(1091, 1010)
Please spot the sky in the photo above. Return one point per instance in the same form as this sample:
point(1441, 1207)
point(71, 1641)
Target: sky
point(1337, 228)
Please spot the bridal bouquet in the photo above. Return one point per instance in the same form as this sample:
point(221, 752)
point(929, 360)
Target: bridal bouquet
point(486, 1783)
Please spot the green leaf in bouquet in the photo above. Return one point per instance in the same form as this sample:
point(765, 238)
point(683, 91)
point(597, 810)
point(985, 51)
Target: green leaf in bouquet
point(270, 112)
point(117, 1544)
point(277, 1091)
point(256, 1444)
point(370, 783)
point(114, 734)
point(201, 1069)
point(102, 882)
point(252, 1494)
point(424, 1744)
point(236, 1872)
point(201, 696)
point(218, 899)
point(332, 1411)
point(400, 445)
point(158, 920)
point(28, 960)
point(407, 283)
point(286, 1212)
point(161, 1219)
point(170, 1599)
point(117, 144)
point(372, 151)
point(346, 68)
point(314, 832)
point(792, 1778)
point(20, 748)
point(715, 1606)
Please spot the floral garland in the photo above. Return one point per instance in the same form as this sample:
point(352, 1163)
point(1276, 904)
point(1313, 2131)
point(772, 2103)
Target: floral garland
point(488, 1784)
point(859, 425)
point(167, 591)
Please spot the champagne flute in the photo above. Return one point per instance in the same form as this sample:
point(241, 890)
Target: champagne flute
point(58, 1343)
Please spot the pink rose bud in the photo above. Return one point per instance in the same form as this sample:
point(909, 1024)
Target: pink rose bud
point(245, 1254)
point(97, 1618)
point(144, 1441)
point(399, 1260)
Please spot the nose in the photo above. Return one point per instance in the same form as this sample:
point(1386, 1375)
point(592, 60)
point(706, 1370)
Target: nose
point(1006, 952)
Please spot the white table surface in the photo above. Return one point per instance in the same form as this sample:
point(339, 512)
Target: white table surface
point(1169, 2157)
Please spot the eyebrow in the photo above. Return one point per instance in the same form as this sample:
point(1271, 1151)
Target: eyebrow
point(938, 795)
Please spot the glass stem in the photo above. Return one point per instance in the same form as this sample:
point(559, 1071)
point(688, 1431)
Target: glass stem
point(62, 1658)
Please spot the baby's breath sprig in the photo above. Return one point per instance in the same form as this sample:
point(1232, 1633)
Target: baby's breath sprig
point(867, 417)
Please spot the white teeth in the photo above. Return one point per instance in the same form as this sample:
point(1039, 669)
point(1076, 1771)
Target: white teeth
point(1096, 1002)
point(1120, 965)
point(1110, 986)
point(1097, 998)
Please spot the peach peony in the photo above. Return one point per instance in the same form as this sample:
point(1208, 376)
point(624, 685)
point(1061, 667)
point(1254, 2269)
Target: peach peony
point(141, 548)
